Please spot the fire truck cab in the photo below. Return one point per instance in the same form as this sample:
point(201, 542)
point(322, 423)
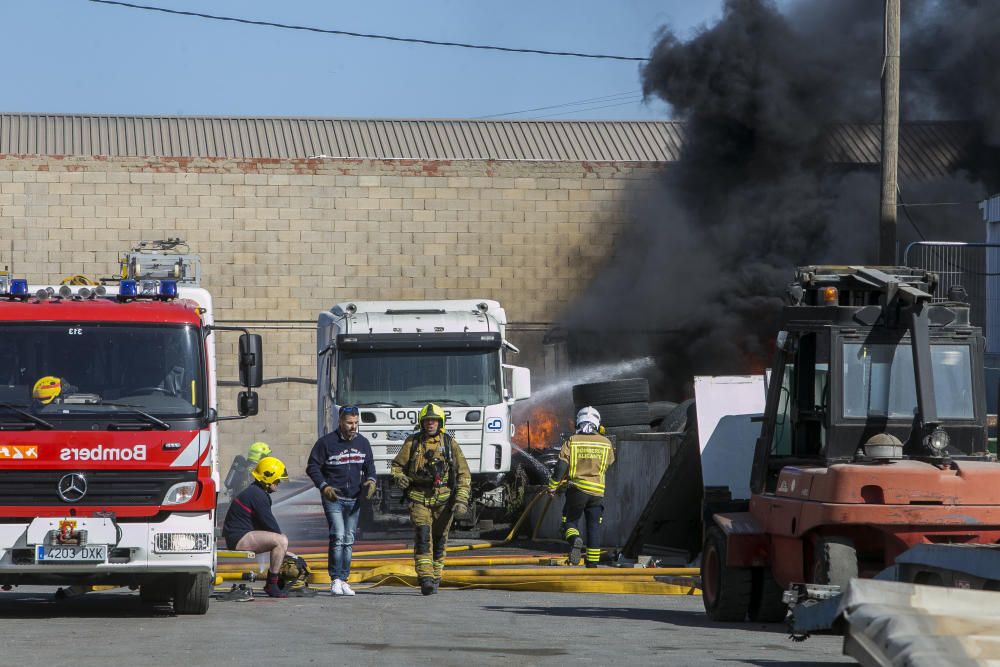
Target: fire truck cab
point(108, 442)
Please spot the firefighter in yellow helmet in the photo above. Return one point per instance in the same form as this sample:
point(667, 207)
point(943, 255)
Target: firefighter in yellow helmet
point(46, 389)
point(250, 525)
point(432, 470)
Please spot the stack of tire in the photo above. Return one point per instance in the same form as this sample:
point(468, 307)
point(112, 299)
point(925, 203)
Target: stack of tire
point(623, 404)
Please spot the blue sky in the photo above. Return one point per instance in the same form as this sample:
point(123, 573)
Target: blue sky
point(74, 56)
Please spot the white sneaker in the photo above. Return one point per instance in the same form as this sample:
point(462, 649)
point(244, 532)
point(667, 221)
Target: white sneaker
point(347, 590)
point(337, 588)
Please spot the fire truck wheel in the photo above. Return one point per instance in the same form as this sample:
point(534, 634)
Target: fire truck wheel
point(725, 591)
point(766, 605)
point(835, 561)
point(191, 593)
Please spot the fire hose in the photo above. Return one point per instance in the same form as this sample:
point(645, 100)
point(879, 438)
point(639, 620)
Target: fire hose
point(375, 572)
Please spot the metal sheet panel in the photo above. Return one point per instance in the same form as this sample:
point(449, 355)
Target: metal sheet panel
point(927, 150)
point(300, 138)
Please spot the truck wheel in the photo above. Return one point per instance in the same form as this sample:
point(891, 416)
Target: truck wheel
point(191, 593)
point(766, 605)
point(156, 592)
point(725, 591)
point(835, 562)
point(630, 390)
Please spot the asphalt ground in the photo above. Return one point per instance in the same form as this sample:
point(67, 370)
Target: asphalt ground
point(393, 626)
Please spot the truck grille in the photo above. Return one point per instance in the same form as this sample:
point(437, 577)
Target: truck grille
point(104, 487)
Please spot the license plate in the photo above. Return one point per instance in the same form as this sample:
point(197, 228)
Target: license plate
point(71, 553)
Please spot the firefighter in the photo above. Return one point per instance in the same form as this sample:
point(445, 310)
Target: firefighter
point(46, 389)
point(583, 460)
point(432, 470)
point(250, 525)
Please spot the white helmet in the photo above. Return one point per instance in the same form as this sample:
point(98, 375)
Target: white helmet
point(588, 420)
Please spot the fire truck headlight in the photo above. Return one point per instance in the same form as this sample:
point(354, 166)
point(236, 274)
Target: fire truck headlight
point(180, 493)
point(182, 542)
point(937, 441)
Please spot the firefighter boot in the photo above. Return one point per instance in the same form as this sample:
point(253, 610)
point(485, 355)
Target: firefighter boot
point(427, 586)
point(575, 550)
point(272, 588)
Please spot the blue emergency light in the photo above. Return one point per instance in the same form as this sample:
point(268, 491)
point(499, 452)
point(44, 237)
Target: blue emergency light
point(18, 287)
point(168, 289)
point(127, 289)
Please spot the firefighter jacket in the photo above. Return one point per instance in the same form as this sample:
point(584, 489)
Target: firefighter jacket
point(436, 468)
point(584, 459)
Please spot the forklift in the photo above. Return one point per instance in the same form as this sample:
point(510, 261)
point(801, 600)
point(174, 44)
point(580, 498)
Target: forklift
point(873, 440)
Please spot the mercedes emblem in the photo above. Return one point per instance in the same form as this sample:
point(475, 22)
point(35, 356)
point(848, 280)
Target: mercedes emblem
point(72, 487)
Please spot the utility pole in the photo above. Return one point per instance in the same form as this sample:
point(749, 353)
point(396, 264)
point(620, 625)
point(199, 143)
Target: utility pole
point(890, 135)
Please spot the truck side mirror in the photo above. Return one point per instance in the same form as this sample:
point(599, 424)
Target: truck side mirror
point(251, 361)
point(520, 383)
point(247, 403)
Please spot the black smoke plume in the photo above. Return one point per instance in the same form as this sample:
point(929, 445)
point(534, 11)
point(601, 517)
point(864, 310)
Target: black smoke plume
point(697, 275)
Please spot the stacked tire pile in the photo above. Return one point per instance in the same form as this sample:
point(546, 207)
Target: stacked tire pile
point(623, 404)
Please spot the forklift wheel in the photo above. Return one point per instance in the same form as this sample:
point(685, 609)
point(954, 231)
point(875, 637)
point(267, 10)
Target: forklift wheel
point(835, 561)
point(766, 605)
point(725, 591)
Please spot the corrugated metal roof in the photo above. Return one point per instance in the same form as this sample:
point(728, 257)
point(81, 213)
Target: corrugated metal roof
point(926, 149)
point(300, 138)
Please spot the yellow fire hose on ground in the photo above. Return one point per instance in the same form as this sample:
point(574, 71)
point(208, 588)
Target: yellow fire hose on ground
point(374, 572)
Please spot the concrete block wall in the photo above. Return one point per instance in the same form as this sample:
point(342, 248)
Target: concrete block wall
point(281, 240)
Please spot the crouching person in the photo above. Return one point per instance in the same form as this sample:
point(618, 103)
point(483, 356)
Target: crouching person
point(250, 525)
point(432, 470)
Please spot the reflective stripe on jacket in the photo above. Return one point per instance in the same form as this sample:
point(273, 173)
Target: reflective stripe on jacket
point(588, 456)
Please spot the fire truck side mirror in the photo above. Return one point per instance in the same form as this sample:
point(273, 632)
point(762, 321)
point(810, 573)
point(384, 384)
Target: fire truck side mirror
point(251, 361)
point(247, 404)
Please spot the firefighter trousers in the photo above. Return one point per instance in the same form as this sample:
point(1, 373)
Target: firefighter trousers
point(431, 524)
point(580, 504)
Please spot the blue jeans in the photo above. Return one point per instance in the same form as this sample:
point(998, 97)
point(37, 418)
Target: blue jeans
point(342, 517)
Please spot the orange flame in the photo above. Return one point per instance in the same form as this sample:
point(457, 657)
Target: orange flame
point(541, 428)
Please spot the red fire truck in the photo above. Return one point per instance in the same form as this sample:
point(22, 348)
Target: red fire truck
point(108, 445)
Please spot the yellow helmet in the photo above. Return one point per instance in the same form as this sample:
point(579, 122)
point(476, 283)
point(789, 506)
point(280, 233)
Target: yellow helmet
point(431, 411)
point(269, 470)
point(258, 450)
point(47, 389)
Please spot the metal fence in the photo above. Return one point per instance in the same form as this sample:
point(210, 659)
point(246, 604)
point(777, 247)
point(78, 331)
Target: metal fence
point(974, 266)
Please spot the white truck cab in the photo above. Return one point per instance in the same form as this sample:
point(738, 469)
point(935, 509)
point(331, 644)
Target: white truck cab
point(390, 358)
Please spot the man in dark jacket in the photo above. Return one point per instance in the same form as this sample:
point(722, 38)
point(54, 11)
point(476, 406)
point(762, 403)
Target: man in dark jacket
point(250, 525)
point(342, 467)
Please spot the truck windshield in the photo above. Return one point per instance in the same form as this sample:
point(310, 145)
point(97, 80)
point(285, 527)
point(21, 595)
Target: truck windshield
point(154, 368)
point(415, 377)
point(879, 381)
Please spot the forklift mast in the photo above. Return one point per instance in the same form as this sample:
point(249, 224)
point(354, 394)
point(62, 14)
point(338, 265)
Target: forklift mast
point(833, 309)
